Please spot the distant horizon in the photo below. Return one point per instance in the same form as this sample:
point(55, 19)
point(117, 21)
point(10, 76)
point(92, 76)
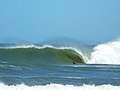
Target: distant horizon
point(52, 40)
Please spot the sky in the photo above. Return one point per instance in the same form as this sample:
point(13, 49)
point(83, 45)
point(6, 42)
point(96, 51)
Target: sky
point(90, 21)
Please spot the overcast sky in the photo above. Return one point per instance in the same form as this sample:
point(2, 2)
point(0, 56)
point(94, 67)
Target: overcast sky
point(90, 21)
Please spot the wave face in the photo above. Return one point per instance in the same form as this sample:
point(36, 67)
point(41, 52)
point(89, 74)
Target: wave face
point(39, 55)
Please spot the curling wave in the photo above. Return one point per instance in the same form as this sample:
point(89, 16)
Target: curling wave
point(34, 54)
point(106, 53)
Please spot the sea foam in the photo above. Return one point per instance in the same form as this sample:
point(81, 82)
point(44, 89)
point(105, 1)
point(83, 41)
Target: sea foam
point(107, 53)
point(58, 87)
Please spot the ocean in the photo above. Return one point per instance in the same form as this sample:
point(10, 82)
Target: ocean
point(60, 67)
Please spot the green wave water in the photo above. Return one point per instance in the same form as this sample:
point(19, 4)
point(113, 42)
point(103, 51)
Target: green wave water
point(47, 55)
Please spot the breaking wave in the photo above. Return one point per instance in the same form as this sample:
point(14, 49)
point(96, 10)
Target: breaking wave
point(107, 53)
point(45, 54)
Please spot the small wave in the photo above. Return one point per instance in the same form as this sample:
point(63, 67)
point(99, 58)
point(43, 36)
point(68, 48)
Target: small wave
point(58, 87)
point(69, 77)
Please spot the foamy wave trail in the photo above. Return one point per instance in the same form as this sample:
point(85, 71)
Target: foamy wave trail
point(58, 87)
point(107, 53)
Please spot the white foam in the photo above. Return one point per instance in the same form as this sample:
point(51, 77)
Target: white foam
point(58, 87)
point(18, 46)
point(108, 53)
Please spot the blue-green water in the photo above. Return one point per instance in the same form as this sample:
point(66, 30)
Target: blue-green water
point(60, 74)
point(47, 65)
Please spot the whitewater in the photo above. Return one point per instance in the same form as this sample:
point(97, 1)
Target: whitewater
point(58, 87)
point(107, 53)
point(64, 67)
